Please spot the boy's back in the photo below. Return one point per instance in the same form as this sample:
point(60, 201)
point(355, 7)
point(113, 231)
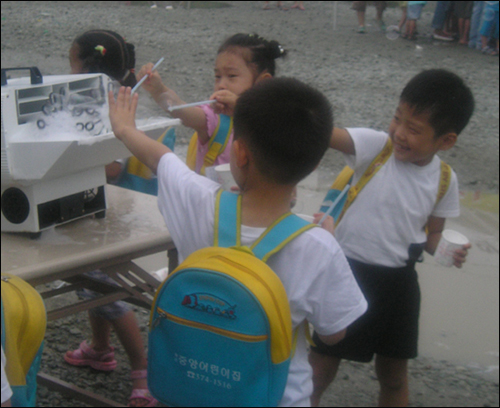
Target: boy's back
point(318, 281)
point(282, 128)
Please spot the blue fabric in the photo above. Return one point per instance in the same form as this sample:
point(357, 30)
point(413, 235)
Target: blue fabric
point(442, 8)
point(142, 185)
point(228, 221)
point(475, 25)
point(24, 395)
point(489, 27)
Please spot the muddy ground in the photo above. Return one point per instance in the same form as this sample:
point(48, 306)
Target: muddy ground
point(362, 75)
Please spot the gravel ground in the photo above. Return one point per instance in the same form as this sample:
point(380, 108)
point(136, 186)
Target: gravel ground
point(362, 75)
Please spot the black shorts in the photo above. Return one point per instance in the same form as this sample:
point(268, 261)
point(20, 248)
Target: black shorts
point(390, 325)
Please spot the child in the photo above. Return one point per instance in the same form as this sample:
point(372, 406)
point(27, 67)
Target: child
point(489, 27)
point(103, 51)
point(414, 10)
point(242, 61)
point(383, 233)
point(281, 131)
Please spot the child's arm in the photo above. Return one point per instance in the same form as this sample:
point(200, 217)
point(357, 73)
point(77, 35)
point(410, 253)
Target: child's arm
point(334, 338)
point(165, 97)
point(342, 141)
point(435, 227)
point(226, 101)
point(328, 224)
point(122, 117)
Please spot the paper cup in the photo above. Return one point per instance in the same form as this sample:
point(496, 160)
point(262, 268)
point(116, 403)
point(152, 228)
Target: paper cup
point(224, 176)
point(449, 243)
point(306, 217)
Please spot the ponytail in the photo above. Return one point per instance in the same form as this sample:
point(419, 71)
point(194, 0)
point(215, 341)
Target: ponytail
point(263, 52)
point(104, 51)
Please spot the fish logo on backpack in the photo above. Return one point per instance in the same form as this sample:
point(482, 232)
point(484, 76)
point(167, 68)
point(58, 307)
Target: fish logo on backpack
point(220, 325)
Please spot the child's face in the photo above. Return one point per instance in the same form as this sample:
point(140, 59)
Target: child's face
point(232, 73)
point(413, 136)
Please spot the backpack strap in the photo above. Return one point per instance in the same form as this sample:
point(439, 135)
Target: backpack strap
point(217, 144)
point(372, 169)
point(228, 227)
point(444, 181)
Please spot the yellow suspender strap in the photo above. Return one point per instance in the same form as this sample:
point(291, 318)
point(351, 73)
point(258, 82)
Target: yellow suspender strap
point(372, 169)
point(218, 142)
point(444, 181)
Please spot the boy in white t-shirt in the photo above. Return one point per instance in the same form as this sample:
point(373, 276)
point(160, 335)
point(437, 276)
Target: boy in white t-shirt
point(282, 128)
point(383, 232)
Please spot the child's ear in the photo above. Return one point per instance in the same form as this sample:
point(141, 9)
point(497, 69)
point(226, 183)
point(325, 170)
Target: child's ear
point(241, 153)
point(447, 141)
point(263, 75)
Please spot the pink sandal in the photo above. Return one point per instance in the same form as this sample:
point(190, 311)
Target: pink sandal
point(87, 356)
point(141, 393)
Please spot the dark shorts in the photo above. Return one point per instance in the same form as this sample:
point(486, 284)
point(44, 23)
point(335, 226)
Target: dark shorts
point(463, 9)
point(390, 325)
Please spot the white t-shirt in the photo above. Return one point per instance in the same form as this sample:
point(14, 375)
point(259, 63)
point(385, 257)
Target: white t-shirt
point(391, 211)
point(317, 278)
point(6, 390)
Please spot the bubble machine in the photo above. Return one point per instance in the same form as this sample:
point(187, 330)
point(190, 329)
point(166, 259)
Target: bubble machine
point(56, 141)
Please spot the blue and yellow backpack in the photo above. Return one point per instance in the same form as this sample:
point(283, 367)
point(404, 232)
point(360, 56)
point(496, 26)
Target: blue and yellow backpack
point(220, 325)
point(23, 328)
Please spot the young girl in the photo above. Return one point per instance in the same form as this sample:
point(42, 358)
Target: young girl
point(242, 61)
point(102, 51)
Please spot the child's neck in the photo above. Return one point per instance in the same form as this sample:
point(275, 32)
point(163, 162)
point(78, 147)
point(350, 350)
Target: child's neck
point(263, 205)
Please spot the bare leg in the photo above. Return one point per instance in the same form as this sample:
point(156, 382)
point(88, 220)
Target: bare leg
point(127, 330)
point(361, 18)
point(403, 19)
point(392, 374)
point(101, 331)
point(324, 371)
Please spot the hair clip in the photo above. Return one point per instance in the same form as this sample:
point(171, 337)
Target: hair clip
point(282, 50)
point(101, 50)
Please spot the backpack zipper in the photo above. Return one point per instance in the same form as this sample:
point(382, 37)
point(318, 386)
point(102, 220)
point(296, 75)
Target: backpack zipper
point(227, 333)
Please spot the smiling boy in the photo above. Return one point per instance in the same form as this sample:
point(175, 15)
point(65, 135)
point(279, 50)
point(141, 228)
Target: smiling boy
point(393, 219)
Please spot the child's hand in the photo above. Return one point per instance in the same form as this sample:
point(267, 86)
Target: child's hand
point(460, 255)
point(226, 101)
point(153, 84)
point(122, 111)
point(328, 224)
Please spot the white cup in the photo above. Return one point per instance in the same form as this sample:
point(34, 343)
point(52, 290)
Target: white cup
point(449, 243)
point(224, 176)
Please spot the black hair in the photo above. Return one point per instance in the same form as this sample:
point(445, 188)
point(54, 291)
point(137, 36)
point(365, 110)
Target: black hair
point(263, 52)
point(104, 51)
point(444, 95)
point(287, 125)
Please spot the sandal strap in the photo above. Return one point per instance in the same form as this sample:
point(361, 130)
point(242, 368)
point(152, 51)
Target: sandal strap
point(138, 374)
point(91, 353)
point(143, 394)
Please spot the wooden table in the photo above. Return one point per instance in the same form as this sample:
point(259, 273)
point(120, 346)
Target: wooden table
point(132, 228)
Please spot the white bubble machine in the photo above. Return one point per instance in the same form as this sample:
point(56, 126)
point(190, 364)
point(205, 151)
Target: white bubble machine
point(56, 141)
